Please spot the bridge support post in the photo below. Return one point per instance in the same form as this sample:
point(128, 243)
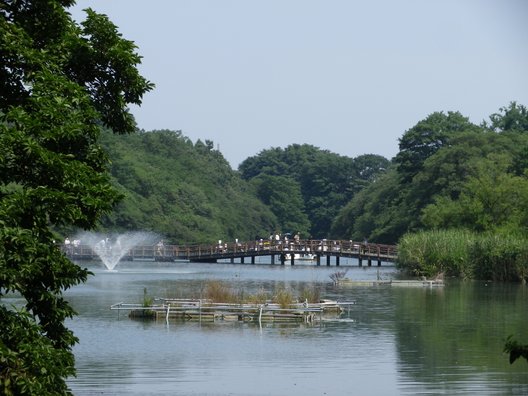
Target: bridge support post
point(369, 262)
point(318, 259)
point(328, 261)
point(360, 261)
point(292, 259)
point(282, 259)
point(272, 259)
point(337, 261)
point(242, 260)
point(232, 260)
point(252, 259)
point(379, 262)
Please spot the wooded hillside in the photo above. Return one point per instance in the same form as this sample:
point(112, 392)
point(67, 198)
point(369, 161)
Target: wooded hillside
point(182, 190)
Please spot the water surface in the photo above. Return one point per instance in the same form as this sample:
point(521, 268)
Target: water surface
point(393, 341)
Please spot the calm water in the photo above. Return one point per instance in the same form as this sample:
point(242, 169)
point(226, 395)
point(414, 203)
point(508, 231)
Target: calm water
point(393, 341)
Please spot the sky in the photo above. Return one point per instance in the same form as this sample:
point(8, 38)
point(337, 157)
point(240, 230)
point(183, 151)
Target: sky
point(343, 75)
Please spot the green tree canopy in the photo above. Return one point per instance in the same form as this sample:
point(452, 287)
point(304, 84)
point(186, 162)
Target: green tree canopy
point(327, 180)
point(58, 83)
point(448, 173)
point(426, 138)
point(186, 192)
point(283, 196)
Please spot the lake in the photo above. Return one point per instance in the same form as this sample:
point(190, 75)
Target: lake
point(392, 341)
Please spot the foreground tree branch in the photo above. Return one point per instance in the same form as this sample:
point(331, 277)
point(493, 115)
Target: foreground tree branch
point(59, 82)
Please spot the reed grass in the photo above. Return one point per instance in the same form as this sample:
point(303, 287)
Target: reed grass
point(218, 292)
point(310, 294)
point(261, 297)
point(464, 254)
point(284, 298)
point(500, 258)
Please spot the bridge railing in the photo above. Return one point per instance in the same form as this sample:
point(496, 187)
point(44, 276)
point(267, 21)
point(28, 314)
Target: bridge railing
point(259, 247)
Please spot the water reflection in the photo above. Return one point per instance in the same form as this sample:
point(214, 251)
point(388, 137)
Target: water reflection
point(392, 341)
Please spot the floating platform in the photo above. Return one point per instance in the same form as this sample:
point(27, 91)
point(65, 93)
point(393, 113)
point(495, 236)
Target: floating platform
point(203, 310)
point(397, 283)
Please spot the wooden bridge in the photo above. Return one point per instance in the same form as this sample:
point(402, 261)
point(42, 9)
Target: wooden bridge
point(281, 251)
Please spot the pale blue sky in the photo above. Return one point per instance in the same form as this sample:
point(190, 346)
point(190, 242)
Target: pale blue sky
point(346, 76)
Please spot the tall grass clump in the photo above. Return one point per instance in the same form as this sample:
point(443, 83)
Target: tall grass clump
point(428, 253)
point(284, 298)
point(500, 257)
point(310, 294)
point(218, 292)
point(260, 297)
point(147, 300)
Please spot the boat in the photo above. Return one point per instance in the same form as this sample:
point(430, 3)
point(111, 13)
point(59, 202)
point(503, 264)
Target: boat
point(300, 257)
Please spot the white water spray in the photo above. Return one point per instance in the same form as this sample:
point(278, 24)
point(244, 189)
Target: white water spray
point(112, 248)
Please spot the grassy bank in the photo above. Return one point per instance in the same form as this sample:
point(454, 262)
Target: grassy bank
point(464, 254)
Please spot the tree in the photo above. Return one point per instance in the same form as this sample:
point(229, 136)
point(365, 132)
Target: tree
point(283, 196)
point(327, 180)
point(426, 138)
point(513, 118)
point(58, 83)
point(490, 200)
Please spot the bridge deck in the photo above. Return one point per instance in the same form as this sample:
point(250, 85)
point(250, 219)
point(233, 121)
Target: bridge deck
point(286, 251)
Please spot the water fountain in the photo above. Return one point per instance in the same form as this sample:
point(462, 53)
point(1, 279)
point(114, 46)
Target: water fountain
point(112, 248)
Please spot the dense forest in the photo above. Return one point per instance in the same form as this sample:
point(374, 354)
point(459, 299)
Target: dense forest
point(449, 173)
point(188, 193)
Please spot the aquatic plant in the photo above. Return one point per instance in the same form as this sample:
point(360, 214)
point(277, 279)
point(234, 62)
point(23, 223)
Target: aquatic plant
point(428, 253)
point(218, 292)
point(284, 298)
point(515, 349)
point(464, 254)
point(310, 294)
point(147, 300)
point(260, 297)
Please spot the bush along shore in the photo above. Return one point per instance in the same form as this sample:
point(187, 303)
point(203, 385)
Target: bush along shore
point(464, 254)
